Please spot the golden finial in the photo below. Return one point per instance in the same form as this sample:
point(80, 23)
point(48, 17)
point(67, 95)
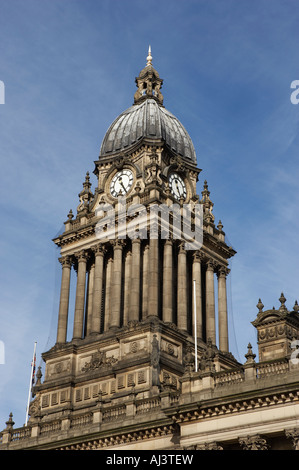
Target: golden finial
point(149, 57)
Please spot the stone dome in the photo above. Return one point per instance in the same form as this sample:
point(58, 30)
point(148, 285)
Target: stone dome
point(147, 119)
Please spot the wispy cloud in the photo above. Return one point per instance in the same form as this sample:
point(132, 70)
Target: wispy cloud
point(69, 70)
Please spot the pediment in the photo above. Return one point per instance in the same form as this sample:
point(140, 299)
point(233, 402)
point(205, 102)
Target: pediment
point(269, 316)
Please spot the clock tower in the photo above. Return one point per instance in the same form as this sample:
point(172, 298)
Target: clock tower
point(141, 359)
point(144, 313)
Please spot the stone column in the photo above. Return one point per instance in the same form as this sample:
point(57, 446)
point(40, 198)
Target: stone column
point(90, 286)
point(116, 285)
point(80, 296)
point(99, 253)
point(182, 321)
point(64, 299)
point(145, 282)
point(222, 309)
point(109, 271)
point(127, 286)
point(135, 281)
point(168, 282)
point(153, 277)
point(210, 303)
point(196, 276)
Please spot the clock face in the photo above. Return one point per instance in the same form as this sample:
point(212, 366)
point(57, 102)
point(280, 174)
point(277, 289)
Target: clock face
point(121, 183)
point(177, 186)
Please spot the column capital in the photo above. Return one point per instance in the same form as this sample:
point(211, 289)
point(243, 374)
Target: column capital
point(222, 271)
point(211, 265)
point(209, 446)
point(136, 241)
point(65, 261)
point(81, 256)
point(118, 244)
point(255, 442)
point(198, 256)
point(99, 250)
point(181, 247)
point(293, 434)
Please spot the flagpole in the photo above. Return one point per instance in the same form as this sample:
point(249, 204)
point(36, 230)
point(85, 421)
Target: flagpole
point(30, 384)
point(195, 324)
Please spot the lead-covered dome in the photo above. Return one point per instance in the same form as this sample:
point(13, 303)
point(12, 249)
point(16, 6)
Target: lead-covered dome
point(147, 119)
point(151, 121)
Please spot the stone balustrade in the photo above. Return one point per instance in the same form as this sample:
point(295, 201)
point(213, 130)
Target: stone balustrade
point(105, 412)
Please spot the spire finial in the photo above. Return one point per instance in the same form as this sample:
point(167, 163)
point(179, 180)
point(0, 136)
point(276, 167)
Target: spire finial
point(250, 356)
point(260, 306)
point(148, 83)
point(207, 204)
point(149, 57)
point(282, 300)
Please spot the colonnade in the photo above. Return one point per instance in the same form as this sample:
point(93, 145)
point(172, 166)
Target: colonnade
point(130, 280)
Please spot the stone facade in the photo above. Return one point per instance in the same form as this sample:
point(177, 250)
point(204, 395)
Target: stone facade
point(138, 371)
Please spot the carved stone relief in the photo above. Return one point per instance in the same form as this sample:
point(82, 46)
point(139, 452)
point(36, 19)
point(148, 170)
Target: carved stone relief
point(170, 348)
point(58, 368)
point(99, 360)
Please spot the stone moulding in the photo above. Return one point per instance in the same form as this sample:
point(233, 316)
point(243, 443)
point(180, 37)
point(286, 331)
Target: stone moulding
point(126, 437)
point(242, 404)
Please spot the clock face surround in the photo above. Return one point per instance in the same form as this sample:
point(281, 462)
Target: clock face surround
point(121, 183)
point(177, 186)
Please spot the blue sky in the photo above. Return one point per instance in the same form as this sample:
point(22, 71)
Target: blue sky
point(69, 69)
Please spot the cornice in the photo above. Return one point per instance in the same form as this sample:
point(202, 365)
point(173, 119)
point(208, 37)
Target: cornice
point(242, 402)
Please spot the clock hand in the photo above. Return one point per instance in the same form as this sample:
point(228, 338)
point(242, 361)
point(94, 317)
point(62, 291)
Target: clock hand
point(121, 183)
point(177, 187)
